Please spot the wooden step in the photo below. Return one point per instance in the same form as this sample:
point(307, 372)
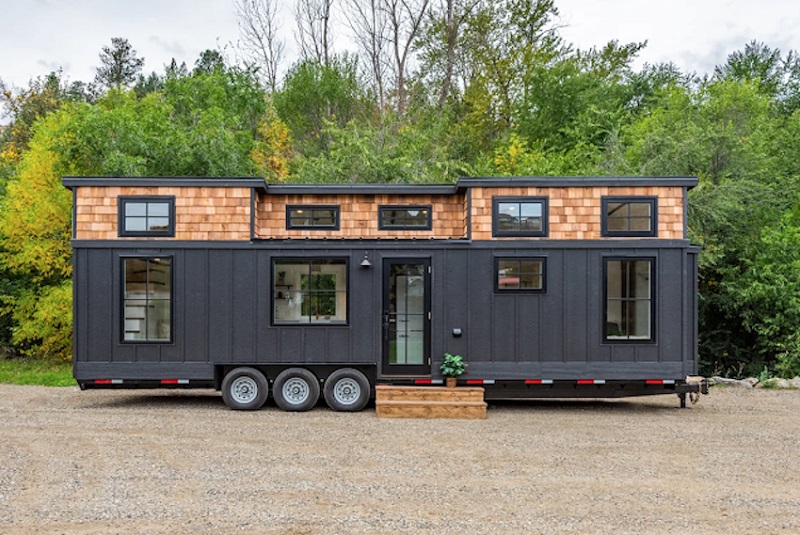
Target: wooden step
point(429, 402)
point(427, 393)
point(466, 410)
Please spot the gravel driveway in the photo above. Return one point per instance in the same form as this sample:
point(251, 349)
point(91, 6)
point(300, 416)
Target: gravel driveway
point(181, 462)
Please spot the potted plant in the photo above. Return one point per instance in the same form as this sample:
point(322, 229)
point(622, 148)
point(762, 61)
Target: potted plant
point(452, 366)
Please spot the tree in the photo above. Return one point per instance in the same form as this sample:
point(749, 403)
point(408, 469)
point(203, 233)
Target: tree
point(368, 22)
point(258, 28)
point(314, 95)
point(24, 107)
point(119, 64)
point(777, 77)
point(314, 36)
point(34, 234)
point(209, 62)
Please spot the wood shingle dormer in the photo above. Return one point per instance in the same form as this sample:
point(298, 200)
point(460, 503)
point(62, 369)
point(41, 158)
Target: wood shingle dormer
point(246, 209)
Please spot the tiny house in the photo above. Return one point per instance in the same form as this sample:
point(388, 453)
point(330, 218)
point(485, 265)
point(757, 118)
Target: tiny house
point(548, 287)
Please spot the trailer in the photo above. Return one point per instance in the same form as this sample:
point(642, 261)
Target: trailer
point(547, 286)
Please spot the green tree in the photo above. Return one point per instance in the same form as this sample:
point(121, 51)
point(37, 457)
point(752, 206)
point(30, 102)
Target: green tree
point(769, 293)
point(119, 65)
point(314, 95)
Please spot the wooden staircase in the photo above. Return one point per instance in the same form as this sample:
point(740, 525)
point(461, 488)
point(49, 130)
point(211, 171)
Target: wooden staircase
point(429, 402)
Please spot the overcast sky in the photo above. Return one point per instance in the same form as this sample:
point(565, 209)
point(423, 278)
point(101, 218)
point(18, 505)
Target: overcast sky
point(39, 36)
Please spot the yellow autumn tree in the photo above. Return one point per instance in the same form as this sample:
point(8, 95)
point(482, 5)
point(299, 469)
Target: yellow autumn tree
point(34, 235)
point(273, 150)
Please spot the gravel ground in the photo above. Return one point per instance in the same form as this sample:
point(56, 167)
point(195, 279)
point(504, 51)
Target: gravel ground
point(181, 462)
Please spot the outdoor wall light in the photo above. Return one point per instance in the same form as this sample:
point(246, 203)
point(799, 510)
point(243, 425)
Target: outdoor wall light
point(366, 264)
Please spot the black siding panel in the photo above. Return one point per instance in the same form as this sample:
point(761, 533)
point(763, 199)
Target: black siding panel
point(529, 334)
point(479, 321)
point(101, 316)
point(575, 314)
point(192, 311)
point(450, 297)
point(243, 305)
point(551, 325)
point(504, 333)
point(219, 299)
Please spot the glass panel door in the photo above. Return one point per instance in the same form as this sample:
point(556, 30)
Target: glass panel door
point(406, 317)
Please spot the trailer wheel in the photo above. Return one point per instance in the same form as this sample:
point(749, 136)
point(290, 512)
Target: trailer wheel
point(296, 390)
point(245, 389)
point(347, 390)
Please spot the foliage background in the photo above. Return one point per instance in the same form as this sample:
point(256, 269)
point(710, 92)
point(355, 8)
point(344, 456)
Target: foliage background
point(485, 88)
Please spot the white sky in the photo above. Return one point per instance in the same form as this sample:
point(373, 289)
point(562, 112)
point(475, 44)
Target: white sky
point(39, 36)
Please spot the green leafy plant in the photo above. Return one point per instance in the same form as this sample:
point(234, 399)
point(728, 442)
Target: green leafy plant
point(453, 365)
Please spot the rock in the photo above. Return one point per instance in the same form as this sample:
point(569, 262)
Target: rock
point(795, 382)
point(775, 382)
point(724, 381)
point(752, 380)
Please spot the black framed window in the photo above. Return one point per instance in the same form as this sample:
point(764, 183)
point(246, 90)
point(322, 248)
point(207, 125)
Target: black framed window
point(309, 291)
point(404, 217)
point(146, 216)
point(519, 274)
point(630, 216)
point(519, 216)
point(147, 299)
point(312, 217)
point(629, 300)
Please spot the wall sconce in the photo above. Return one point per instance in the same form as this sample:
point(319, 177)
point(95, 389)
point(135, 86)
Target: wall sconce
point(366, 264)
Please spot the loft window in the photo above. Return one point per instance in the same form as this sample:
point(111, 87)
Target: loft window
point(520, 275)
point(309, 291)
point(312, 217)
point(629, 303)
point(519, 216)
point(629, 216)
point(404, 218)
point(147, 300)
point(146, 216)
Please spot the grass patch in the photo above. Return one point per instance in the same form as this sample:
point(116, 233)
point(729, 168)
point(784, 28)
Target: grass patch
point(34, 372)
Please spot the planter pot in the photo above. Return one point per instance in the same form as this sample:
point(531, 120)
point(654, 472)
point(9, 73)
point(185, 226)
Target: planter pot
point(451, 382)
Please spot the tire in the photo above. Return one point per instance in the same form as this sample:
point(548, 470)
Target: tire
point(347, 390)
point(245, 389)
point(296, 390)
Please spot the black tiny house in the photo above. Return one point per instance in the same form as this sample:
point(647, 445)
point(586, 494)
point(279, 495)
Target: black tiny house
point(549, 287)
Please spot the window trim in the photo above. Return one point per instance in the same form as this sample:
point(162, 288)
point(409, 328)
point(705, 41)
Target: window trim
point(387, 207)
point(313, 207)
point(651, 200)
point(653, 303)
point(497, 232)
point(171, 340)
point(543, 275)
point(122, 202)
point(308, 260)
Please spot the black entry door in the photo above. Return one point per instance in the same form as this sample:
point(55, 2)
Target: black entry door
point(406, 316)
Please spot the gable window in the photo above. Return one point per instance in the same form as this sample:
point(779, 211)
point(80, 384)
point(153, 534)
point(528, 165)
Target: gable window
point(519, 216)
point(309, 291)
point(146, 216)
point(147, 299)
point(519, 274)
point(404, 218)
point(629, 216)
point(629, 304)
point(312, 217)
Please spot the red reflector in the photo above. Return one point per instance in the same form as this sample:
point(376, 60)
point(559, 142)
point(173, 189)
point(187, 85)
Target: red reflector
point(423, 381)
point(169, 381)
point(102, 381)
point(585, 381)
point(533, 381)
point(654, 382)
point(474, 381)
